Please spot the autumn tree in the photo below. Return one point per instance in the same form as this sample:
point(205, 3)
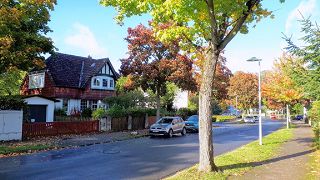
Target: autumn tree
point(23, 26)
point(152, 64)
point(279, 88)
point(210, 23)
point(244, 88)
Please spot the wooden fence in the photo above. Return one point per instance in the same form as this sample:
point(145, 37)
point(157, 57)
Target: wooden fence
point(57, 128)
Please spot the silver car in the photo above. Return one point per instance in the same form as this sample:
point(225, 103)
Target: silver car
point(249, 119)
point(168, 126)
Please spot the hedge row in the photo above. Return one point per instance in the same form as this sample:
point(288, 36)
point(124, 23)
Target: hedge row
point(12, 103)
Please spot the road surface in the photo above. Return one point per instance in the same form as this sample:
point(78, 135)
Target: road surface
point(143, 158)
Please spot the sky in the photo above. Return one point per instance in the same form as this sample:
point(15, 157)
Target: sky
point(87, 28)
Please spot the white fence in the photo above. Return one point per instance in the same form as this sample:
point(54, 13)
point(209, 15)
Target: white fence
point(11, 125)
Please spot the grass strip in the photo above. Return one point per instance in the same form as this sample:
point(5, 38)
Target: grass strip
point(314, 166)
point(22, 149)
point(239, 161)
point(222, 118)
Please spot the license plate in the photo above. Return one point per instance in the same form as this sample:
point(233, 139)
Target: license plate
point(155, 131)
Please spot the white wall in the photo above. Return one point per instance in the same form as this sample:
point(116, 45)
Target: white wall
point(73, 104)
point(42, 101)
point(181, 99)
point(10, 125)
point(58, 105)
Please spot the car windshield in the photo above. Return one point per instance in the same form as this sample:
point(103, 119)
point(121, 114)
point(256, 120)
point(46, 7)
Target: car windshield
point(165, 121)
point(249, 117)
point(193, 118)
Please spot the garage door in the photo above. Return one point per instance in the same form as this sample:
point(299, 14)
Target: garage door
point(38, 113)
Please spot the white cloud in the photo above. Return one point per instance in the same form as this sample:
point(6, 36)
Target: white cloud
point(306, 8)
point(84, 40)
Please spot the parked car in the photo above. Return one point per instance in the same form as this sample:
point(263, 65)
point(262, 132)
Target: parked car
point(168, 126)
point(192, 123)
point(249, 119)
point(298, 117)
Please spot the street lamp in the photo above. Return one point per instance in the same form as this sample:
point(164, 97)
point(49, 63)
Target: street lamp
point(254, 59)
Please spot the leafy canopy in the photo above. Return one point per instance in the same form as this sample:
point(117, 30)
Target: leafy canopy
point(195, 20)
point(23, 26)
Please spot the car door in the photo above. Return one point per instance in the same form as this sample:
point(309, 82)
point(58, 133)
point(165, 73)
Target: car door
point(175, 125)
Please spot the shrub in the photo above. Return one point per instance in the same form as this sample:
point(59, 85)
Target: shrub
point(12, 103)
point(314, 114)
point(151, 112)
point(130, 99)
point(136, 111)
point(87, 112)
point(60, 112)
point(99, 113)
point(117, 111)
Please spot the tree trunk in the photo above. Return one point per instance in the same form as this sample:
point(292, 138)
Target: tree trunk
point(206, 159)
point(158, 106)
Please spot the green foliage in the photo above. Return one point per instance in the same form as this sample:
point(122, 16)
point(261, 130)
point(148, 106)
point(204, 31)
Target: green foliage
point(12, 103)
point(314, 114)
point(216, 109)
point(193, 102)
point(10, 82)
point(23, 29)
point(126, 100)
point(186, 112)
point(166, 100)
point(60, 112)
point(297, 109)
point(99, 113)
point(87, 112)
point(137, 112)
point(221, 118)
point(242, 159)
point(306, 70)
point(117, 111)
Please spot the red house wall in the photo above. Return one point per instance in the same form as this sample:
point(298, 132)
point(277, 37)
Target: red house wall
point(50, 90)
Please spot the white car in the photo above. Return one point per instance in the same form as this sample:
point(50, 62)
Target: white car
point(249, 119)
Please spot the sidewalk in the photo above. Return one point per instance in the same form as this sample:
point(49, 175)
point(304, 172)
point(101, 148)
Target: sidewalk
point(291, 161)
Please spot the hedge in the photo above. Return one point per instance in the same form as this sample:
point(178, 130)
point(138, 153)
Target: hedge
point(12, 103)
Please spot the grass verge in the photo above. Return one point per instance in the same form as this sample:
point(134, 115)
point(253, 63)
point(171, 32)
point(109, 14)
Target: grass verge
point(239, 161)
point(221, 118)
point(22, 149)
point(314, 166)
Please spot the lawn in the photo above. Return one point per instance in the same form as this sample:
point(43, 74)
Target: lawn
point(221, 118)
point(240, 160)
point(22, 149)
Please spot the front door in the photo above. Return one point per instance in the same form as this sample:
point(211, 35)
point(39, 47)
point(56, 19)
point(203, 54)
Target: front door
point(38, 113)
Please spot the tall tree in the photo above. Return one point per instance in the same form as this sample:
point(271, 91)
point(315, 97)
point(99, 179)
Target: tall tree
point(23, 26)
point(152, 64)
point(244, 88)
point(306, 68)
point(213, 23)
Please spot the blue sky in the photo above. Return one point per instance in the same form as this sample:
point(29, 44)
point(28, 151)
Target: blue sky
point(86, 28)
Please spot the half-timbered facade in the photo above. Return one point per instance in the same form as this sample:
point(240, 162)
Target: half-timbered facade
point(78, 82)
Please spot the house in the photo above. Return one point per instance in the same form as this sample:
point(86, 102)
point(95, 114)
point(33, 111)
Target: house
point(76, 82)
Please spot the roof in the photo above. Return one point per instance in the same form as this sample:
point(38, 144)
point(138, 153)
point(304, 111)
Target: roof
point(40, 96)
point(74, 71)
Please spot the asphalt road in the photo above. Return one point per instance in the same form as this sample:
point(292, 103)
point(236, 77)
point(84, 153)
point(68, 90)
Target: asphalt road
point(143, 158)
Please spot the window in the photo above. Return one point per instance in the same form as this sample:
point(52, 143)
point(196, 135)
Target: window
point(36, 81)
point(83, 105)
point(105, 82)
point(111, 83)
point(96, 82)
point(94, 105)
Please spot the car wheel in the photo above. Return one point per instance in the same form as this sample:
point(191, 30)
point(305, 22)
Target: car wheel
point(183, 132)
point(170, 133)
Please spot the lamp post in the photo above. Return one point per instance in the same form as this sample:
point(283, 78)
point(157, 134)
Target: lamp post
point(254, 59)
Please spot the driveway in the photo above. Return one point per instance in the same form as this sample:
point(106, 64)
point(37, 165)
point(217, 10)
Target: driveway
point(143, 158)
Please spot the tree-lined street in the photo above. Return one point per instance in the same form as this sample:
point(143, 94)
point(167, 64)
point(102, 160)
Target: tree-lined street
point(143, 158)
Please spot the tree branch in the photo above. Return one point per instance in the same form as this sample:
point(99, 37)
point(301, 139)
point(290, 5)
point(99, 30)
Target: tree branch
point(250, 4)
point(213, 21)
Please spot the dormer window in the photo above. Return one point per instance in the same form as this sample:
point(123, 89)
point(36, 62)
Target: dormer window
point(36, 80)
point(102, 82)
